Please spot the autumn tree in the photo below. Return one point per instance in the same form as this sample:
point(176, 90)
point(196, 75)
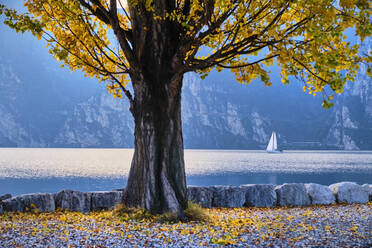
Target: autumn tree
point(153, 43)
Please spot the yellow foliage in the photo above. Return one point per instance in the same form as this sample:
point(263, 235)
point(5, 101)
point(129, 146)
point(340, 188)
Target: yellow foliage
point(305, 38)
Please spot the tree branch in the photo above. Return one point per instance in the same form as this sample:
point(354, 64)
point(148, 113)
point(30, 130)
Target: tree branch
point(111, 19)
point(310, 71)
point(248, 64)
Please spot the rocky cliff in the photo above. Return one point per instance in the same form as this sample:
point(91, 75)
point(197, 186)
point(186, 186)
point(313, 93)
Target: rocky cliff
point(100, 121)
point(12, 132)
point(351, 119)
point(42, 105)
point(221, 114)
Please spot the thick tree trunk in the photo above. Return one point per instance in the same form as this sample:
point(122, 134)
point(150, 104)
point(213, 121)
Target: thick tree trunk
point(157, 176)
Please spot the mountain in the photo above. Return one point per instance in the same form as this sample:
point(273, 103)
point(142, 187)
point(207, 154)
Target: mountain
point(100, 121)
point(351, 122)
point(229, 115)
point(12, 133)
point(36, 95)
point(43, 105)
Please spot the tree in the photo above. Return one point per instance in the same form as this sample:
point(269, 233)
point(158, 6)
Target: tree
point(153, 43)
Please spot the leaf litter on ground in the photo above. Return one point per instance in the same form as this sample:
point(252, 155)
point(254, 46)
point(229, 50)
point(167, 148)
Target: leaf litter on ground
point(314, 226)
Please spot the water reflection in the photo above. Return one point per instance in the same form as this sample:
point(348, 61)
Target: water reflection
point(273, 179)
point(50, 170)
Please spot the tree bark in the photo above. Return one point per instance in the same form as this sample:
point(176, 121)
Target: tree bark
point(157, 179)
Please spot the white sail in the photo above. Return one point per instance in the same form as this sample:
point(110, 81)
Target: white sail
point(273, 144)
point(270, 146)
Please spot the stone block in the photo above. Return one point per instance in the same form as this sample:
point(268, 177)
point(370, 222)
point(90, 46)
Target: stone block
point(4, 197)
point(259, 195)
point(349, 192)
point(320, 194)
point(368, 189)
point(29, 202)
point(228, 196)
point(73, 201)
point(104, 200)
point(292, 194)
point(200, 195)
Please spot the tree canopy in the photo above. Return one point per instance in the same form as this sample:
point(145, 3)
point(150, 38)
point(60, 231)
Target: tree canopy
point(107, 38)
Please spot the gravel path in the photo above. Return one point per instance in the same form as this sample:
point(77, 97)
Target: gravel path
point(316, 226)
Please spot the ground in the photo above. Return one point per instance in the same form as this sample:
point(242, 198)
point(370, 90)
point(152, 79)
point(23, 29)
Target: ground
point(315, 226)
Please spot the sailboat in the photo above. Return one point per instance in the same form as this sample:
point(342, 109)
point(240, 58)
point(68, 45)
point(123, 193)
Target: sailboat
point(272, 147)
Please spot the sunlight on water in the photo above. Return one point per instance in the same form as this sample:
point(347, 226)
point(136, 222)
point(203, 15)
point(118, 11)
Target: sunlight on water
point(115, 163)
point(51, 170)
point(215, 161)
point(35, 162)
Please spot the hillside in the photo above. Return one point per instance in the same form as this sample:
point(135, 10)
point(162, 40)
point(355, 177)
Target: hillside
point(43, 105)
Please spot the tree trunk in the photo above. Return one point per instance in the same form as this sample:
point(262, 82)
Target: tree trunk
point(157, 180)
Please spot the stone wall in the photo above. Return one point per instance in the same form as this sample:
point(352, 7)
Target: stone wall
point(250, 195)
point(65, 200)
point(288, 194)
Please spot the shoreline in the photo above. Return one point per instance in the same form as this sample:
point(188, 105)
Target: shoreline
point(250, 195)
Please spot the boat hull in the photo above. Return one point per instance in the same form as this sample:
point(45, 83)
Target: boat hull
point(274, 151)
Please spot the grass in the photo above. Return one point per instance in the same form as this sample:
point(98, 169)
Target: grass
point(132, 213)
point(193, 212)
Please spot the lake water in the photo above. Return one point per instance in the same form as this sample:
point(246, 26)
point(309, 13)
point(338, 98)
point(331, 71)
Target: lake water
point(28, 170)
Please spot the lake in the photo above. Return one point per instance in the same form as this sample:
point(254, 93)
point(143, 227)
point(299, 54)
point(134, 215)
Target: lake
point(29, 170)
